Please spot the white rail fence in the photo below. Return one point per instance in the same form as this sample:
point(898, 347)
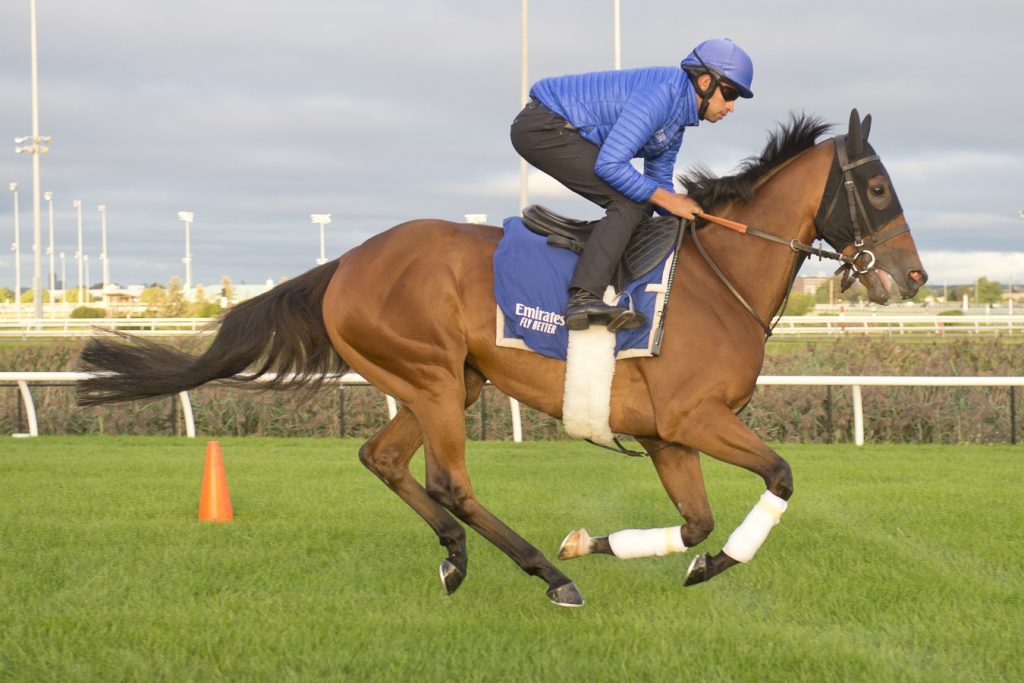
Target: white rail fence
point(87, 327)
point(23, 379)
point(874, 324)
point(802, 325)
point(855, 382)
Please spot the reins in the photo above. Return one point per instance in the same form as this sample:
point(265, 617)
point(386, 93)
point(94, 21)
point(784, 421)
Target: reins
point(849, 266)
point(744, 229)
point(862, 244)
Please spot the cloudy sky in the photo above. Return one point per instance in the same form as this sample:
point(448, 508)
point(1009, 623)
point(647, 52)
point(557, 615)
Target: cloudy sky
point(253, 115)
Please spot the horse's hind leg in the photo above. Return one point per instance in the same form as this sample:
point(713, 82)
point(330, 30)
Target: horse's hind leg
point(678, 468)
point(387, 455)
point(453, 569)
point(448, 482)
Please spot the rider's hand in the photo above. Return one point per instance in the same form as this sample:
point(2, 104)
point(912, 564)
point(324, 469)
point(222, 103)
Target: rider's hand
point(677, 204)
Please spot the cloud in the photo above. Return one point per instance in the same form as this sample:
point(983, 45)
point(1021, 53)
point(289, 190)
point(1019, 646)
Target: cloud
point(948, 165)
point(254, 115)
point(540, 186)
point(962, 267)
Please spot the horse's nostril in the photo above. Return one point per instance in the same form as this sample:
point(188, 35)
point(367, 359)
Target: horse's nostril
point(918, 276)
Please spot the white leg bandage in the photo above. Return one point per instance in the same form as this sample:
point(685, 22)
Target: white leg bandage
point(631, 543)
point(748, 536)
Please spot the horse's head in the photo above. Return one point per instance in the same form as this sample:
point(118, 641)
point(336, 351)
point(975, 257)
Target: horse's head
point(860, 216)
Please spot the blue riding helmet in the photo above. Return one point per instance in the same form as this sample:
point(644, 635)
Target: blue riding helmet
point(724, 60)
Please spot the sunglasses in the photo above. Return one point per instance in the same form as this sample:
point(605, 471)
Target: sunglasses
point(728, 94)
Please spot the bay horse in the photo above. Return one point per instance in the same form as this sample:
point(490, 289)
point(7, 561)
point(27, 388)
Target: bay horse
point(412, 310)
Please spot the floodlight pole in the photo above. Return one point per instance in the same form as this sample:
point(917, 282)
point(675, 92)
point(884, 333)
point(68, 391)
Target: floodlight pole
point(35, 149)
point(187, 217)
point(16, 248)
point(1010, 300)
point(524, 94)
point(322, 219)
point(79, 254)
point(617, 7)
point(48, 196)
point(102, 208)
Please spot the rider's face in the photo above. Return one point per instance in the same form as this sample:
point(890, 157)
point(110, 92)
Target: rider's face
point(718, 105)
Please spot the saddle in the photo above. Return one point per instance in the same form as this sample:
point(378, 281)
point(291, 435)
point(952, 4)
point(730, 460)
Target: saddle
point(652, 240)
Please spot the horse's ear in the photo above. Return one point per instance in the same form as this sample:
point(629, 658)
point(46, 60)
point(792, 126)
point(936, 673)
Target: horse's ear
point(854, 138)
point(865, 127)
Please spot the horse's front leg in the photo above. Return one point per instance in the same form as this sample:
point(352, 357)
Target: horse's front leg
point(678, 468)
point(714, 429)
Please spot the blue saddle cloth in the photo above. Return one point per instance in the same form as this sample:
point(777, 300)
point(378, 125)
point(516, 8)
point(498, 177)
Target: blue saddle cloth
point(531, 283)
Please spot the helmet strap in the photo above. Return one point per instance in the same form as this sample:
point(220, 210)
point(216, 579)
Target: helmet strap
point(705, 95)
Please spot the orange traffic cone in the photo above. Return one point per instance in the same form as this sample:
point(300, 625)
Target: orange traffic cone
point(215, 501)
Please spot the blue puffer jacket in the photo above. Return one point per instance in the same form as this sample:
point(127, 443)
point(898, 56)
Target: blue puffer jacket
point(637, 113)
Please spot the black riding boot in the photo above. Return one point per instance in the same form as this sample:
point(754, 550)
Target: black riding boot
point(585, 308)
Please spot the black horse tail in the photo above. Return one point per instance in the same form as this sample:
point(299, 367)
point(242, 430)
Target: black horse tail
point(281, 331)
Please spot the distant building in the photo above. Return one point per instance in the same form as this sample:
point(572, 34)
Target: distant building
point(244, 291)
point(810, 285)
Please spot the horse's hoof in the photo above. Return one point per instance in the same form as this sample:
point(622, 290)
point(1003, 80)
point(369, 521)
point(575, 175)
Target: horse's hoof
point(576, 544)
point(697, 571)
point(451, 576)
point(566, 595)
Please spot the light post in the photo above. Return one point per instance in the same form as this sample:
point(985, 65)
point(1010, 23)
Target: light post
point(1021, 214)
point(36, 149)
point(48, 196)
point(617, 11)
point(16, 248)
point(86, 259)
point(63, 279)
point(524, 93)
point(187, 217)
point(322, 219)
point(79, 254)
point(102, 208)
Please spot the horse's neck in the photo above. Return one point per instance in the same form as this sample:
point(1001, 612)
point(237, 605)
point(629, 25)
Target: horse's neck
point(784, 204)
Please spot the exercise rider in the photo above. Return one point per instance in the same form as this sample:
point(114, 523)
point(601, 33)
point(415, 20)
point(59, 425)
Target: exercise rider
point(584, 130)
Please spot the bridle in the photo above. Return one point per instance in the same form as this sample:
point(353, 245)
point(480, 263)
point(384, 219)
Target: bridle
point(866, 237)
point(863, 245)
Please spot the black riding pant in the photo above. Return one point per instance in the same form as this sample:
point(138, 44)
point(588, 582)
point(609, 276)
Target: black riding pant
point(550, 144)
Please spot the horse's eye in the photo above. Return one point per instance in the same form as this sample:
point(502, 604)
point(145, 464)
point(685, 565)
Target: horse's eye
point(879, 193)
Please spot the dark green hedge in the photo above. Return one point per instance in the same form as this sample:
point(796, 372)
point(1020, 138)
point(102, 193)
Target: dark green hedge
point(787, 414)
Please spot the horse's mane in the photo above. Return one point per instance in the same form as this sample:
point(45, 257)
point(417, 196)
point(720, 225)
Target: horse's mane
point(784, 143)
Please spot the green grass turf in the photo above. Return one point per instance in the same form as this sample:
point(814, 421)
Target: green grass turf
point(893, 563)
